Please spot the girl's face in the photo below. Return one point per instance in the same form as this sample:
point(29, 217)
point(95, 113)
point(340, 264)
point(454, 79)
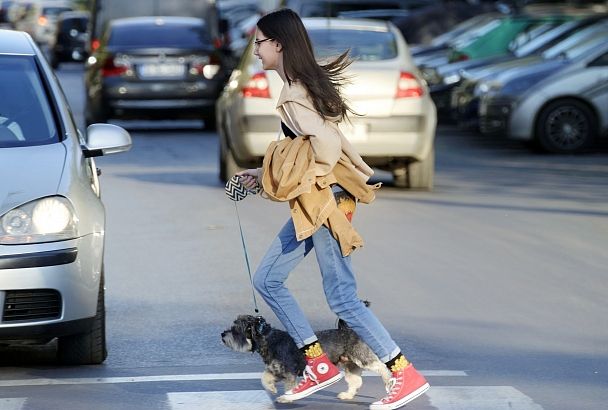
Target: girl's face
point(267, 50)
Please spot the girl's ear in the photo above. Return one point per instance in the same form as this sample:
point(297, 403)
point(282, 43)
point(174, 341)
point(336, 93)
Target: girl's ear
point(279, 47)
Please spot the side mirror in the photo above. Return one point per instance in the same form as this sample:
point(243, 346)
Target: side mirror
point(104, 139)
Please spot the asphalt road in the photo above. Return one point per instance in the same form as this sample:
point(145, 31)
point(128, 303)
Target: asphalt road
point(494, 284)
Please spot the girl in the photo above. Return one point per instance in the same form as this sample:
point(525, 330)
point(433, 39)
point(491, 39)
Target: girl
point(322, 177)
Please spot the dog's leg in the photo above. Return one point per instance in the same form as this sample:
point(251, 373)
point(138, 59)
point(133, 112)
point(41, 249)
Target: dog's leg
point(352, 375)
point(380, 368)
point(290, 381)
point(268, 381)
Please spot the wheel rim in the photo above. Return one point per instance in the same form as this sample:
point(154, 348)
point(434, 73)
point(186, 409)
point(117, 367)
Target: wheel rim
point(567, 128)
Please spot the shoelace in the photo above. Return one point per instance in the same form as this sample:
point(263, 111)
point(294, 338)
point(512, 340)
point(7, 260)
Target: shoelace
point(308, 374)
point(393, 387)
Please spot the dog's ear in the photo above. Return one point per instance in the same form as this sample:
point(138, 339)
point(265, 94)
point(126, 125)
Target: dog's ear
point(261, 326)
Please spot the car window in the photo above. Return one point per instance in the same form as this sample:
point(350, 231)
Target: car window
point(333, 9)
point(601, 61)
point(159, 35)
point(25, 114)
point(572, 41)
point(54, 11)
point(78, 23)
point(364, 45)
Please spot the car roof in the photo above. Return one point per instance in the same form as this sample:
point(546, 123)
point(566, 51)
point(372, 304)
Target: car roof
point(15, 43)
point(148, 20)
point(316, 23)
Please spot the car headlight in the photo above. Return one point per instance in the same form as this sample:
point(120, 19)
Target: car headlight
point(451, 79)
point(44, 220)
point(485, 87)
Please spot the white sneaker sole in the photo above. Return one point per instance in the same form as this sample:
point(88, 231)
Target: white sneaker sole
point(297, 396)
point(418, 392)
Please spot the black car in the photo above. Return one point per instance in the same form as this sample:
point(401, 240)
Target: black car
point(154, 68)
point(71, 38)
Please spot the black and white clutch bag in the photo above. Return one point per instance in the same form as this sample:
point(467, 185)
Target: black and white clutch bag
point(236, 191)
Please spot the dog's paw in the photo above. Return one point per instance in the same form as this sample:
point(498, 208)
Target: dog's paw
point(283, 399)
point(346, 396)
point(272, 389)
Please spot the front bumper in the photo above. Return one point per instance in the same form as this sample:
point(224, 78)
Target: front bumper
point(494, 114)
point(51, 289)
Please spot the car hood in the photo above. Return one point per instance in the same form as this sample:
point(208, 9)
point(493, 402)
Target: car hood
point(28, 173)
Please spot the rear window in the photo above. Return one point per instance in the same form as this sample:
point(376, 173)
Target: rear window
point(364, 45)
point(25, 114)
point(159, 35)
point(78, 23)
point(54, 11)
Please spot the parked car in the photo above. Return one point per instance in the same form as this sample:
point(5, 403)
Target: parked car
point(5, 5)
point(564, 112)
point(52, 220)
point(154, 67)
point(466, 96)
point(464, 106)
point(332, 8)
point(397, 129)
point(40, 19)
point(71, 37)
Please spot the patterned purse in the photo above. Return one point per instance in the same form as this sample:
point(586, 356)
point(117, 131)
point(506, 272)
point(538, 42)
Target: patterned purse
point(236, 191)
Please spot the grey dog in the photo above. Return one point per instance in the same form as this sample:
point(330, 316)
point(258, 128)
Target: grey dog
point(284, 361)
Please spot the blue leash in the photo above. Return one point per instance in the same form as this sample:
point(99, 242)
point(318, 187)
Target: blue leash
point(255, 303)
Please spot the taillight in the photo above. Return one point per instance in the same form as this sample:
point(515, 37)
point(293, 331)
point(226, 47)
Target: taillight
point(461, 57)
point(95, 44)
point(42, 20)
point(257, 86)
point(408, 86)
point(206, 66)
point(112, 69)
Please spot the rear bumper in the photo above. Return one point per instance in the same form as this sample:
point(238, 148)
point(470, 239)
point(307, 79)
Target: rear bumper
point(379, 140)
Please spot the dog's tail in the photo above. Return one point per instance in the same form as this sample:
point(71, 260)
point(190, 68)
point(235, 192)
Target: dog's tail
point(342, 325)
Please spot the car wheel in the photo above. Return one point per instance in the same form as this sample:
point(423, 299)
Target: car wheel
point(54, 61)
point(90, 347)
point(94, 117)
point(421, 174)
point(565, 127)
point(209, 120)
point(400, 177)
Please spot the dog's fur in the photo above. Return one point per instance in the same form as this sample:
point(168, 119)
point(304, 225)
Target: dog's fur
point(284, 361)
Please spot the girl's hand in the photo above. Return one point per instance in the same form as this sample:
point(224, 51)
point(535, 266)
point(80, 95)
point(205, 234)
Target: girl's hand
point(249, 178)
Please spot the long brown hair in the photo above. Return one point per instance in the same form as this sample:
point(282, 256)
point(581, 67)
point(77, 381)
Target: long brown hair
point(322, 81)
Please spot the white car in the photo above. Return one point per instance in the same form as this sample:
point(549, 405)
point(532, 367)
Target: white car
point(396, 130)
point(39, 19)
point(52, 220)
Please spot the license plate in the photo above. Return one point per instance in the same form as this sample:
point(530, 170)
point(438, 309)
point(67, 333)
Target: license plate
point(162, 70)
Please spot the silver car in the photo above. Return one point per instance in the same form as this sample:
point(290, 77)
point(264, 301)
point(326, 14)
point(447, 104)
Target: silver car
point(560, 105)
point(52, 221)
point(396, 130)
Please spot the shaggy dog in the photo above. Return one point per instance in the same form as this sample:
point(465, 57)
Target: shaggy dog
point(284, 361)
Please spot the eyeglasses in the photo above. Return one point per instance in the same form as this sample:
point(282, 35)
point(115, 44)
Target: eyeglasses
point(258, 42)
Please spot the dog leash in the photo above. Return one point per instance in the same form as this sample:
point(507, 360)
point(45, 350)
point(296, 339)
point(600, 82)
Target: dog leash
point(236, 192)
point(255, 303)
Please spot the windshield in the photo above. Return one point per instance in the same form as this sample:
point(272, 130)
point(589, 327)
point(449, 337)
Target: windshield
point(600, 30)
point(25, 114)
point(364, 45)
point(159, 35)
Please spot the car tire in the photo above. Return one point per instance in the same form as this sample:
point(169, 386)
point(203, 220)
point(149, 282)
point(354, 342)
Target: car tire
point(421, 174)
point(90, 347)
point(566, 126)
point(94, 118)
point(209, 121)
point(228, 165)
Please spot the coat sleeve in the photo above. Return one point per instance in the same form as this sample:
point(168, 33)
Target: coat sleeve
point(324, 136)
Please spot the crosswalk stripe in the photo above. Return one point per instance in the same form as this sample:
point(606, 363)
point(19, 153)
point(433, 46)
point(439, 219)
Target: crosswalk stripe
point(13, 403)
point(480, 398)
point(225, 400)
point(174, 378)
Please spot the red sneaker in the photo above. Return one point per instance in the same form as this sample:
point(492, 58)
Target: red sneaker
point(404, 386)
point(318, 374)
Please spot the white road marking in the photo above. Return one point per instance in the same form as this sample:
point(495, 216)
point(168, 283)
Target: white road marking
point(225, 400)
point(12, 403)
point(480, 398)
point(174, 378)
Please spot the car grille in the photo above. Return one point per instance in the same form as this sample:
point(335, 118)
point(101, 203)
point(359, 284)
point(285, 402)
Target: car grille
point(31, 304)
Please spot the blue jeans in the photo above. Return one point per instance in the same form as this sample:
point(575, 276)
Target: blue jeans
point(338, 283)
